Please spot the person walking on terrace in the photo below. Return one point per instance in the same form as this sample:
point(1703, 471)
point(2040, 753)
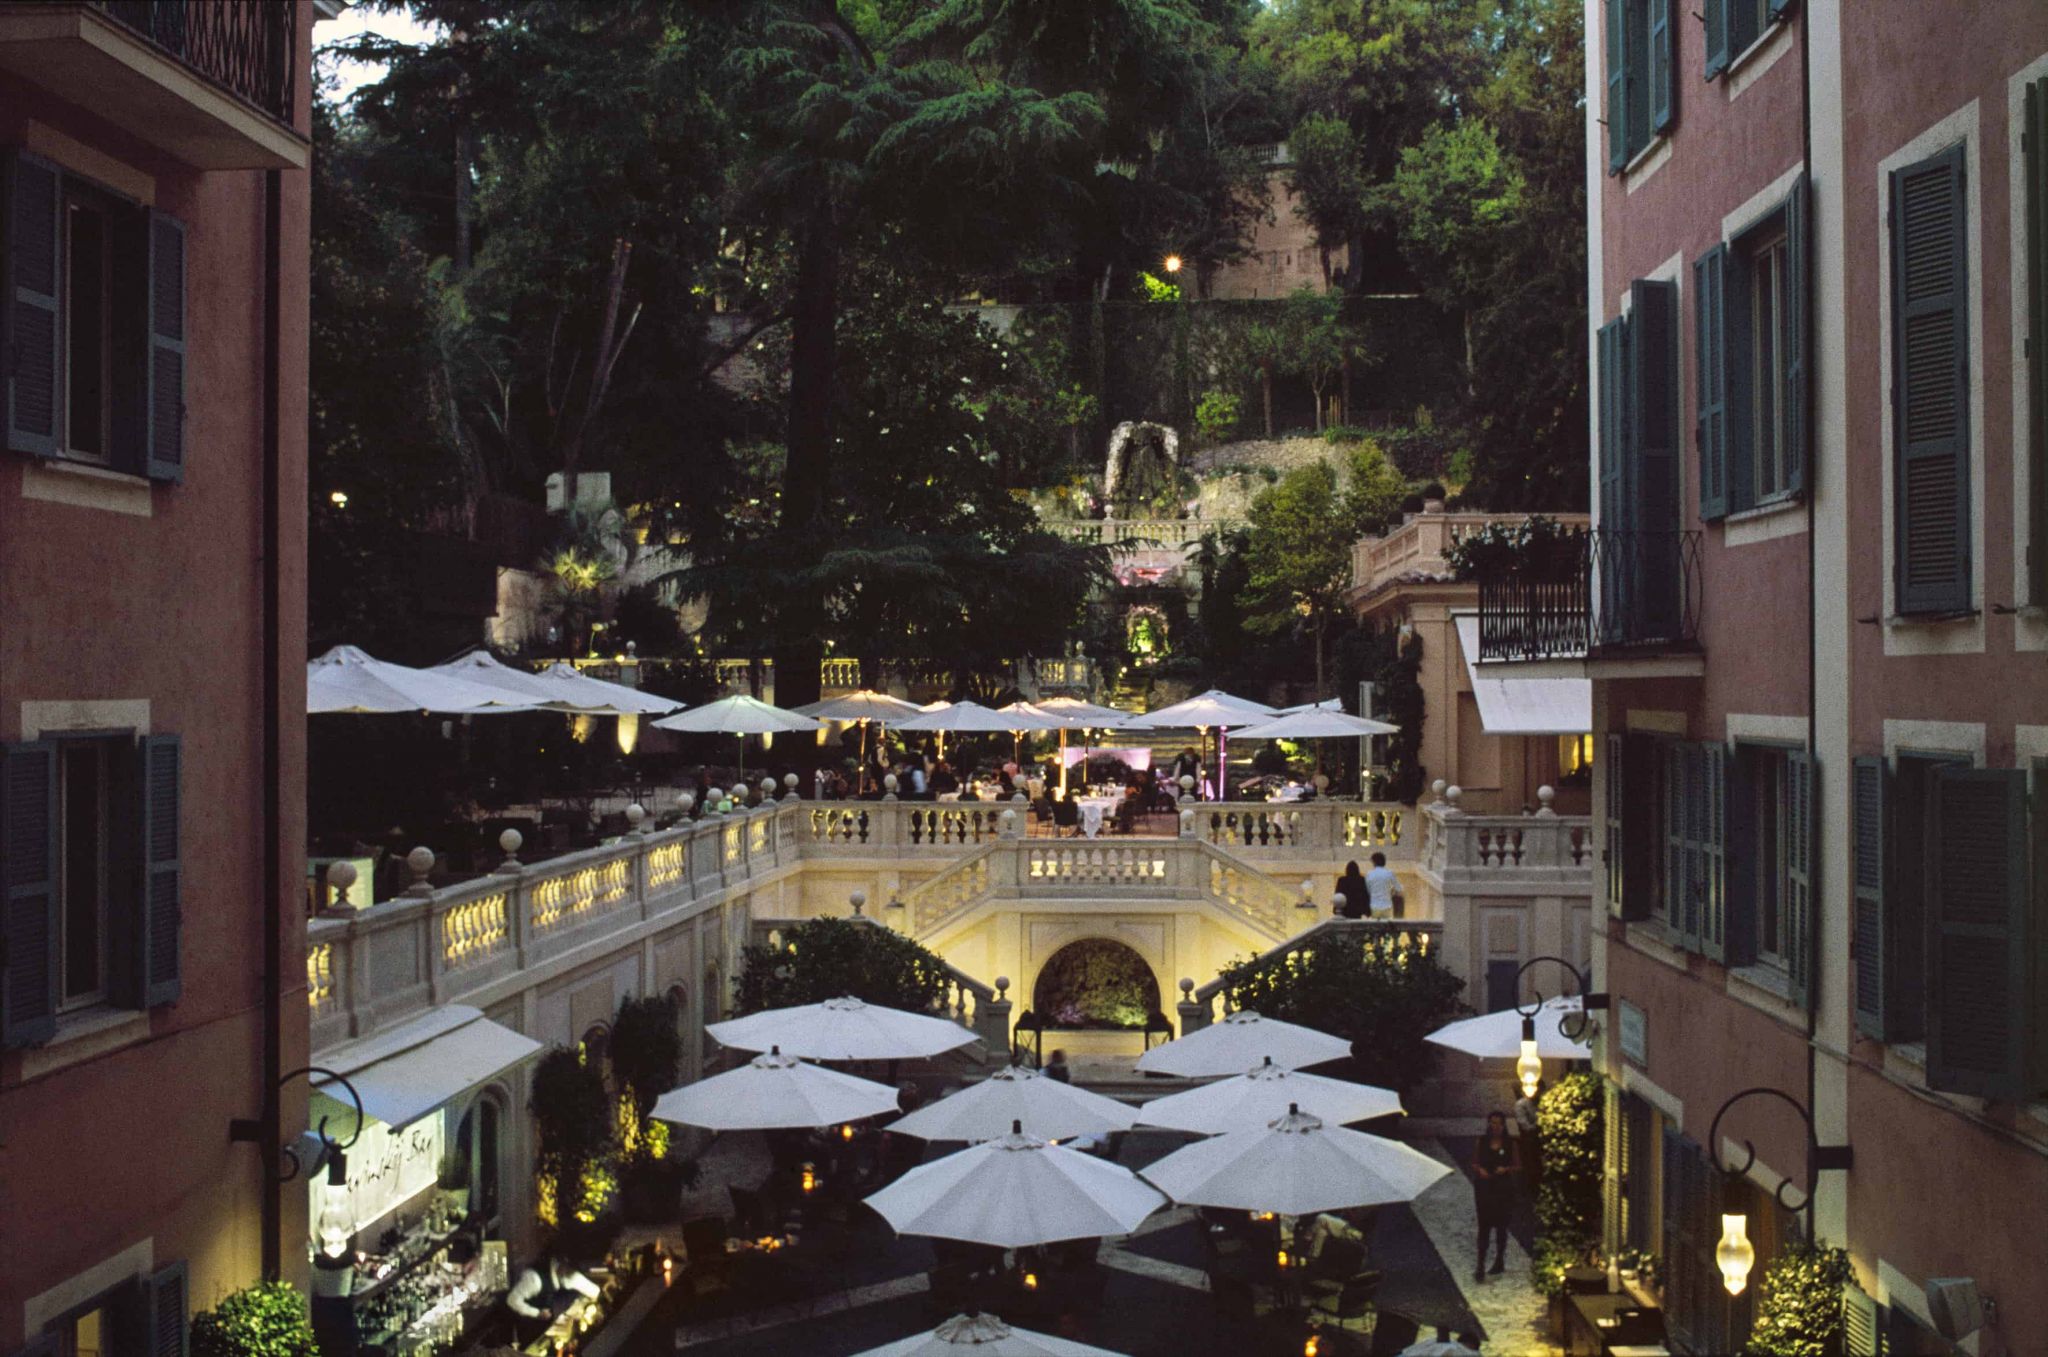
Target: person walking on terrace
point(1384, 889)
point(1496, 1164)
point(1355, 890)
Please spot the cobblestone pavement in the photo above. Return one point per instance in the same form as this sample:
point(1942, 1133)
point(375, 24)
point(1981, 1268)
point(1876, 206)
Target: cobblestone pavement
point(1507, 1305)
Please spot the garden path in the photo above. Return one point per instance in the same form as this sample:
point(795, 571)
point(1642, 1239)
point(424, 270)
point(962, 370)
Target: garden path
point(1508, 1305)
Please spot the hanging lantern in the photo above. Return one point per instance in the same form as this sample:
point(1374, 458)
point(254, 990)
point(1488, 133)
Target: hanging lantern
point(1734, 1255)
point(1529, 1068)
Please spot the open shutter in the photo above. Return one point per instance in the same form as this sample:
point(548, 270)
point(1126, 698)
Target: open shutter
point(34, 264)
point(1710, 352)
point(1613, 763)
point(1739, 833)
point(1930, 393)
point(164, 1302)
point(1869, 928)
point(160, 915)
point(1715, 14)
point(1693, 763)
point(1612, 1196)
point(1648, 571)
point(1802, 797)
point(1714, 850)
point(1861, 1336)
point(1616, 43)
point(167, 326)
point(1614, 508)
point(1663, 61)
point(1978, 934)
point(28, 853)
point(2034, 142)
point(1797, 341)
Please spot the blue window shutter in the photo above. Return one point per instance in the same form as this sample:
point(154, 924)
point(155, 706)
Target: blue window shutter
point(1710, 354)
point(1930, 386)
point(165, 1307)
point(1781, 8)
point(1797, 341)
point(1613, 440)
point(1802, 807)
point(1870, 939)
point(1616, 43)
point(28, 872)
point(161, 912)
point(1861, 1334)
point(1616, 801)
point(168, 323)
point(1644, 593)
point(1714, 850)
point(1979, 935)
point(2034, 144)
point(1678, 908)
point(34, 264)
point(1739, 912)
point(1663, 68)
point(1715, 13)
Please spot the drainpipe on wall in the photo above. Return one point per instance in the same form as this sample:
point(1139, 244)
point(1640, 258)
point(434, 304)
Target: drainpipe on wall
point(273, 743)
point(1817, 860)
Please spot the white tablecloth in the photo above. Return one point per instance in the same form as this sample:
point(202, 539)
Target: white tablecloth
point(1094, 809)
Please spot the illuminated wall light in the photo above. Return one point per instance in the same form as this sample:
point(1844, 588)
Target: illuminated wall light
point(1529, 1068)
point(1734, 1255)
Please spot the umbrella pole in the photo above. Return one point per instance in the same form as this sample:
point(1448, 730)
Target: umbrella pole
point(1063, 763)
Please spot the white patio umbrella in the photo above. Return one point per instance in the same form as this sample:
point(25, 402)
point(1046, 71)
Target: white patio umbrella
point(862, 707)
point(984, 1336)
point(347, 679)
point(1498, 1036)
point(972, 717)
point(1016, 1191)
point(739, 715)
point(1011, 1099)
point(1240, 1041)
point(1327, 704)
point(1295, 1167)
point(843, 1029)
point(599, 698)
point(480, 666)
point(1072, 714)
point(1318, 724)
point(1258, 1098)
point(1437, 1347)
point(1214, 710)
point(775, 1090)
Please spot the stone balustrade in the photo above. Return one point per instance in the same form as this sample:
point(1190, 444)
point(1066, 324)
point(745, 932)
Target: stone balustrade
point(1162, 532)
point(1394, 936)
point(1543, 850)
point(980, 1008)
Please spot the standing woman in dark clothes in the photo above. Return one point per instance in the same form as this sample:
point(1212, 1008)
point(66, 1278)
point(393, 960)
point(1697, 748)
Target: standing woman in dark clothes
point(1496, 1164)
point(1356, 893)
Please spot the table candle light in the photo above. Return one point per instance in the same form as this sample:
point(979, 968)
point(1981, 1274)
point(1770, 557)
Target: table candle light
point(1030, 1281)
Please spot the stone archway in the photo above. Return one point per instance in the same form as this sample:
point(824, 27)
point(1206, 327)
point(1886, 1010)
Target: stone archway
point(1096, 984)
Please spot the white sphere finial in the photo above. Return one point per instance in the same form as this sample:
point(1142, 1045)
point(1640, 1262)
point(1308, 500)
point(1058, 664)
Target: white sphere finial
point(421, 860)
point(1308, 888)
point(1438, 787)
point(1546, 795)
point(635, 813)
point(767, 786)
point(859, 901)
point(341, 876)
point(1451, 794)
point(685, 801)
point(511, 841)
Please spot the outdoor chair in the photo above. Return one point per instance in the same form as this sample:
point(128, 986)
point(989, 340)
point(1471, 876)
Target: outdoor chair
point(1343, 1300)
point(1066, 814)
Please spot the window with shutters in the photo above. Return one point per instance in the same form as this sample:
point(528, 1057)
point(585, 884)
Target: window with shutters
point(1931, 487)
point(1762, 858)
point(1642, 93)
point(1750, 315)
point(1768, 848)
point(1735, 26)
point(94, 323)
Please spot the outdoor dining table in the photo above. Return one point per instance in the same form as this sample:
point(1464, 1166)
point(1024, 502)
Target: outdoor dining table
point(1094, 809)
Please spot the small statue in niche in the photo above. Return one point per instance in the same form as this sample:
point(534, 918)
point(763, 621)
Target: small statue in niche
point(1142, 477)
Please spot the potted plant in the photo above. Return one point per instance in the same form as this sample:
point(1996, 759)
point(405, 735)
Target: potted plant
point(265, 1320)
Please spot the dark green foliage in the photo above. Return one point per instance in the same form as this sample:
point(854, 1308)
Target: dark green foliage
point(1538, 547)
point(822, 959)
point(571, 1107)
point(1799, 1303)
point(1095, 983)
point(646, 1050)
point(266, 1320)
point(1385, 998)
point(1571, 1119)
point(1394, 666)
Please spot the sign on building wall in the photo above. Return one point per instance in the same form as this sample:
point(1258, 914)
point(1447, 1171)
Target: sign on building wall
point(1631, 1030)
point(387, 1168)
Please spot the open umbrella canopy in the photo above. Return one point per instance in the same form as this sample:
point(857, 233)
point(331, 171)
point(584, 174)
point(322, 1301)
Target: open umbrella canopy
point(600, 698)
point(1012, 1098)
point(843, 1029)
point(1240, 1041)
point(972, 716)
point(775, 1090)
point(346, 679)
point(737, 715)
point(864, 705)
point(1204, 711)
point(1295, 1167)
point(984, 1336)
point(480, 666)
point(1016, 1191)
point(1074, 714)
point(1315, 725)
point(1498, 1036)
point(1327, 704)
point(1258, 1098)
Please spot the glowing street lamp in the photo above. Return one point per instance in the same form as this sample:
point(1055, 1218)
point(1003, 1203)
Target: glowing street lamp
point(1529, 1067)
point(1734, 1255)
point(1172, 263)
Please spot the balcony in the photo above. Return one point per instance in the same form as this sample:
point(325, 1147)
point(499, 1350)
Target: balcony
point(212, 83)
point(1609, 603)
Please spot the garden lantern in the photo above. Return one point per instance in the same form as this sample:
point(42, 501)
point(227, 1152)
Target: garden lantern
point(1529, 1067)
point(1734, 1255)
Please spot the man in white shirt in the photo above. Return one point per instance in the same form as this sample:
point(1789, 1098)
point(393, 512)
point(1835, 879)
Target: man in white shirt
point(543, 1291)
point(1383, 889)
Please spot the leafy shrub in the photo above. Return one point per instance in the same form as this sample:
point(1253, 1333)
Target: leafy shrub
point(265, 1320)
point(1217, 414)
point(575, 1177)
point(1571, 1121)
point(1799, 1303)
point(1539, 546)
point(824, 959)
point(646, 1050)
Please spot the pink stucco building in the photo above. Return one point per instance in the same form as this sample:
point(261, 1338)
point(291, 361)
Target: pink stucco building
point(1815, 612)
point(152, 625)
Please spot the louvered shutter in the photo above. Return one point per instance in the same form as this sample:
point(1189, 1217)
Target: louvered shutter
point(1802, 797)
point(1715, 13)
point(1615, 1232)
point(1930, 372)
point(2034, 141)
point(1714, 849)
point(1797, 341)
point(168, 324)
point(1677, 908)
point(1663, 63)
point(1739, 912)
point(1861, 1336)
point(161, 914)
point(1978, 936)
point(1614, 506)
point(164, 1303)
point(28, 850)
point(1626, 1166)
point(1616, 43)
point(35, 263)
point(1617, 899)
point(1781, 8)
point(1710, 353)
point(1869, 928)
point(1649, 566)
point(1693, 765)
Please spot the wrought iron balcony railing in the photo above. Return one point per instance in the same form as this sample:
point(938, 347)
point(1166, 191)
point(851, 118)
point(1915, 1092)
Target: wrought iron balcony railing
point(246, 47)
point(1602, 592)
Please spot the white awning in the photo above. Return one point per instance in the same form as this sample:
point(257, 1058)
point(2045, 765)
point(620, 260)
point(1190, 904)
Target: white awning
point(406, 1072)
point(1524, 706)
